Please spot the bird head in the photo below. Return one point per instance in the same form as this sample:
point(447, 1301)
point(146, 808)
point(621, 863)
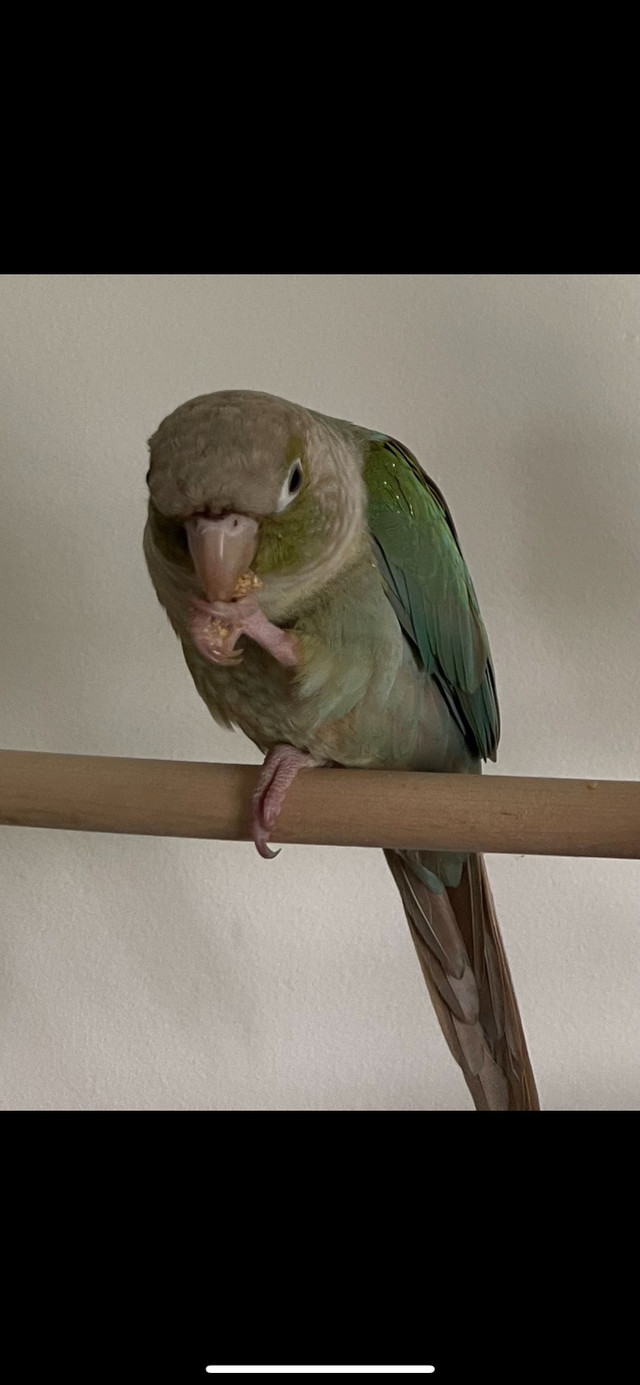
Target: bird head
point(241, 481)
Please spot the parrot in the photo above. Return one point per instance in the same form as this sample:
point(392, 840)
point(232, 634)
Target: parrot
point(313, 574)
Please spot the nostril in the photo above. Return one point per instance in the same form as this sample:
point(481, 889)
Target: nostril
point(228, 520)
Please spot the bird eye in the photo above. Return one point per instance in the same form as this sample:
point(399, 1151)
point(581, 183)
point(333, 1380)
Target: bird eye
point(295, 478)
point(291, 486)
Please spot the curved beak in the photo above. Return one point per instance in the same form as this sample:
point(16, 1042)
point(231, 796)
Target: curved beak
point(222, 550)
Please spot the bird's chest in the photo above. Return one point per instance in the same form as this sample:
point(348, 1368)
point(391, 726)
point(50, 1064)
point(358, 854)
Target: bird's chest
point(359, 702)
point(258, 696)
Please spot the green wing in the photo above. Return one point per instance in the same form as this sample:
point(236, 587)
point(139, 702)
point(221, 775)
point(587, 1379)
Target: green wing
point(430, 588)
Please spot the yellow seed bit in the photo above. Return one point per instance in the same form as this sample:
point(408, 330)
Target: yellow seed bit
point(222, 630)
point(245, 584)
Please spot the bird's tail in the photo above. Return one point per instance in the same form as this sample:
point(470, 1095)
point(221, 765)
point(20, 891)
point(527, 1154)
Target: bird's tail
point(456, 936)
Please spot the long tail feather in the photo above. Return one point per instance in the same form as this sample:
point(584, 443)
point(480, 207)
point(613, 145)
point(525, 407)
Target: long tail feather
point(456, 936)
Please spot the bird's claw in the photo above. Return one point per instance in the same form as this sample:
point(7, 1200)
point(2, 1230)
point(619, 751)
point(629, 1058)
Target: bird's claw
point(277, 774)
point(216, 628)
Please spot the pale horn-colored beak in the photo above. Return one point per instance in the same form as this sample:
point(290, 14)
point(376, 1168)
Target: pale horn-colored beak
point(222, 550)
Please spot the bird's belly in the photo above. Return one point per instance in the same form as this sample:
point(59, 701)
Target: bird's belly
point(400, 722)
point(409, 728)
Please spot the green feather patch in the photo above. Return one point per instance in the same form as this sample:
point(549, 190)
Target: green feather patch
point(430, 588)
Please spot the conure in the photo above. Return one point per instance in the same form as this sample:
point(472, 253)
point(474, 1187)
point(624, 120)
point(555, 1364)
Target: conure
point(313, 574)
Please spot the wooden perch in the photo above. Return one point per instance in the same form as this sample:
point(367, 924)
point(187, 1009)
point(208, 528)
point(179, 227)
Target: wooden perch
point(328, 807)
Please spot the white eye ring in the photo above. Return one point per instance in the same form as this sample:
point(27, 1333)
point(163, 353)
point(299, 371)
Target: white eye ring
point(290, 491)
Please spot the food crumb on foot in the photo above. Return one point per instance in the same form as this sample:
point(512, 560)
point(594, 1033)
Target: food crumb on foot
point(246, 583)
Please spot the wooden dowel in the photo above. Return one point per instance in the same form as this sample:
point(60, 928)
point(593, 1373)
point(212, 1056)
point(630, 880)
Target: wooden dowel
point(337, 807)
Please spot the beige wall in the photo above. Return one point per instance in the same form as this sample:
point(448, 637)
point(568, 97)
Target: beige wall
point(145, 973)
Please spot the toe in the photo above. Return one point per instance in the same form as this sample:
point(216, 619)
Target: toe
point(260, 833)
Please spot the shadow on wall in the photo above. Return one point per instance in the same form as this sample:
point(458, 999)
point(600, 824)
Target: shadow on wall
point(573, 489)
point(57, 626)
point(53, 621)
point(79, 649)
point(42, 584)
point(132, 916)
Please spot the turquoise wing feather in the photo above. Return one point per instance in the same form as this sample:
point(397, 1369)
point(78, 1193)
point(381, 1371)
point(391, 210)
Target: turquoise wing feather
point(429, 585)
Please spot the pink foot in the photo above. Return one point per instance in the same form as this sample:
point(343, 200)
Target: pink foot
point(216, 628)
point(278, 773)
